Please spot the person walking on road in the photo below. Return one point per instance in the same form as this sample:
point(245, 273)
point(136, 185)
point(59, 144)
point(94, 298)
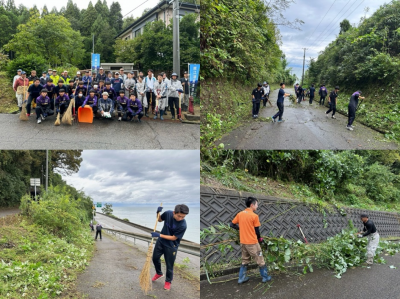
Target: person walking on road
point(280, 103)
point(168, 241)
point(299, 94)
point(369, 231)
point(98, 231)
point(266, 94)
point(312, 94)
point(248, 224)
point(332, 102)
point(323, 92)
point(353, 105)
point(257, 95)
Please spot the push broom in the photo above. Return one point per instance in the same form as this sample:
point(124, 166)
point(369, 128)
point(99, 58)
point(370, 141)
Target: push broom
point(144, 278)
point(22, 115)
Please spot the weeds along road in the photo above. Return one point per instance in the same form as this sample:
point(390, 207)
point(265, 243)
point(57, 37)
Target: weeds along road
point(378, 281)
point(115, 268)
point(101, 134)
point(305, 127)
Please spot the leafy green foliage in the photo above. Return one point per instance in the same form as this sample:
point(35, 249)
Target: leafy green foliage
point(337, 253)
point(26, 63)
point(107, 209)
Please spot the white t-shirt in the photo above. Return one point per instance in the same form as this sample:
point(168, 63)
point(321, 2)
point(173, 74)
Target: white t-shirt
point(150, 82)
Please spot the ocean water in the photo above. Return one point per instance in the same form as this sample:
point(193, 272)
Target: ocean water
point(146, 216)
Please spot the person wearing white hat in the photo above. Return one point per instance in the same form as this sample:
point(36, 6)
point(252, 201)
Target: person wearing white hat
point(78, 77)
point(101, 75)
point(65, 77)
point(106, 106)
point(17, 76)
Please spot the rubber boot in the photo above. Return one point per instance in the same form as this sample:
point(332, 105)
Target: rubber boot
point(161, 114)
point(155, 117)
point(242, 274)
point(264, 274)
point(146, 112)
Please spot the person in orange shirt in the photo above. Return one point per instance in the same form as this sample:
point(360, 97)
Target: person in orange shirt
point(248, 224)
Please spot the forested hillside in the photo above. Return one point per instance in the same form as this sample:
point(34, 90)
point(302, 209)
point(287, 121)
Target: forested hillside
point(239, 46)
point(366, 57)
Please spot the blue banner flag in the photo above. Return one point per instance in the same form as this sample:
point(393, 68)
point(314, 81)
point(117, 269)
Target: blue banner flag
point(95, 63)
point(194, 70)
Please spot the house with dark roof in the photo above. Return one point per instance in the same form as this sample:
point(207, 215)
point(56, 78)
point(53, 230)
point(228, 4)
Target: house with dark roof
point(162, 11)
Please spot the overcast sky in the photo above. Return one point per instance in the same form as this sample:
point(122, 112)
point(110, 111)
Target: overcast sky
point(126, 5)
point(321, 26)
point(139, 176)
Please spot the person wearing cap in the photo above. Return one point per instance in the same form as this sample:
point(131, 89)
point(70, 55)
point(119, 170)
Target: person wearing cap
point(369, 231)
point(65, 77)
point(352, 108)
point(160, 90)
point(60, 85)
point(332, 102)
point(323, 92)
point(62, 102)
point(24, 82)
point(299, 94)
point(167, 83)
point(257, 95)
point(266, 94)
point(149, 86)
point(117, 83)
point(32, 77)
point(43, 106)
point(87, 80)
point(129, 85)
point(141, 91)
point(49, 73)
point(248, 224)
point(135, 108)
point(122, 105)
point(280, 103)
point(43, 79)
point(101, 75)
point(78, 77)
point(109, 77)
point(111, 92)
point(122, 74)
point(18, 75)
point(106, 105)
point(173, 99)
point(101, 86)
point(97, 90)
point(92, 101)
point(186, 85)
point(312, 94)
point(55, 77)
point(33, 92)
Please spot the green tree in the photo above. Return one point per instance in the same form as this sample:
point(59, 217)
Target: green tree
point(88, 18)
point(7, 28)
point(104, 39)
point(45, 11)
point(128, 21)
point(73, 14)
point(101, 10)
point(115, 16)
point(107, 209)
point(62, 46)
point(344, 26)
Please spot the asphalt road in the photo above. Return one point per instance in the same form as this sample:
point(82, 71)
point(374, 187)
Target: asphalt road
point(305, 127)
point(114, 273)
point(376, 282)
point(8, 211)
point(101, 134)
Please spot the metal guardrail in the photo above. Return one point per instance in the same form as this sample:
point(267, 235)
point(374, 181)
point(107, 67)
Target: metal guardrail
point(187, 247)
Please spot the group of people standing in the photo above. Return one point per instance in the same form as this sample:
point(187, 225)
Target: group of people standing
point(122, 95)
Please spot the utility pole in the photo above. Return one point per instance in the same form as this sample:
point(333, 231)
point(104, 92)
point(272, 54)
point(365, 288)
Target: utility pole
point(304, 60)
point(47, 169)
point(175, 48)
point(93, 43)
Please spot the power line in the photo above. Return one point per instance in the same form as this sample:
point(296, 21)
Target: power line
point(135, 8)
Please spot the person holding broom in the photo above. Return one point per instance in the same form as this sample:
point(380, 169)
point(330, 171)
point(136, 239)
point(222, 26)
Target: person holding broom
point(33, 92)
point(62, 102)
point(248, 224)
point(168, 241)
point(369, 231)
point(24, 83)
point(43, 106)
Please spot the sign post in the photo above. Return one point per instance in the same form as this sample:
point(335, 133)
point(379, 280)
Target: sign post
point(35, 182)
point(95, 63)
point(99, 204)
point(194, 70)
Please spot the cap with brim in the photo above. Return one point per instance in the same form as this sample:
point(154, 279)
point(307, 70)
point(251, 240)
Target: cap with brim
point(174, 74)
point(86, 71)
point(104, 93)
point(65, 71)
point(44, 90)
point(62, 90)
point(265, 82)
point(50, 70)
point(337, 87)
point(54, 70)
point(44, 72)
point(101, 68)
point(23, 73)
point(19, 70)
point(78, 73)
point(185, 72)
point(117, 73)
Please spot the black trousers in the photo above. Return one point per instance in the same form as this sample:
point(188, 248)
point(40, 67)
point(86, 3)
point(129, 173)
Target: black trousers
point(98, 232)
point(265, 100)
point(151, 97)
point(322, 100)
point(332, 107)
point(169, 257)
point(352, 114)
point(256, 107)
point(311, 99)
point(280, 112)
point(130, 115)
point(29, 103)
point(62, 108)
point(173, 101)
point(42, 110)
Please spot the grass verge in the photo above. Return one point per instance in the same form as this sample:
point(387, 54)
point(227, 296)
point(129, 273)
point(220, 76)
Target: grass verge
point(8, 101)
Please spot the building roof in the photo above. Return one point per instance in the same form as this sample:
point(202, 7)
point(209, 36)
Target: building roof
point(159, 7)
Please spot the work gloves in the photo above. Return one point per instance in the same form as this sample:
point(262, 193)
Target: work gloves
point(360, 235)
point(159, 209)
point(155, 235)
point(260, 240)
point(235, 226)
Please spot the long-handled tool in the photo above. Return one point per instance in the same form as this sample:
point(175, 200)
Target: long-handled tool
point(144, 278)
point(359, 104)
point(22, 115)
point(180, 110)
point(298, 225)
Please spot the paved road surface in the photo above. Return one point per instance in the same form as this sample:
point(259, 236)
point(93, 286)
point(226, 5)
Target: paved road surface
point(107, 222)
point(378, 282)
point(305, 127)
point(8, 211)
point(114, 273)
point(102, 134)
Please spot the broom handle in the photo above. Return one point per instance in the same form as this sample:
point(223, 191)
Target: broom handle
point(157, 219)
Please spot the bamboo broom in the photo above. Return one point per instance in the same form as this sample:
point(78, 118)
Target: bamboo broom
point(67, 117)
point(144, 278)
point(22, 115)
point(57, 123)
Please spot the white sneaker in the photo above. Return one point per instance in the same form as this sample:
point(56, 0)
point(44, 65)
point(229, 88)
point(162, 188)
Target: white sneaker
point(352, 126)
point(349, 128)
point(39, 121)
point(43, 118)
point(327, 115)
point(119, 118)
point(333, 117)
